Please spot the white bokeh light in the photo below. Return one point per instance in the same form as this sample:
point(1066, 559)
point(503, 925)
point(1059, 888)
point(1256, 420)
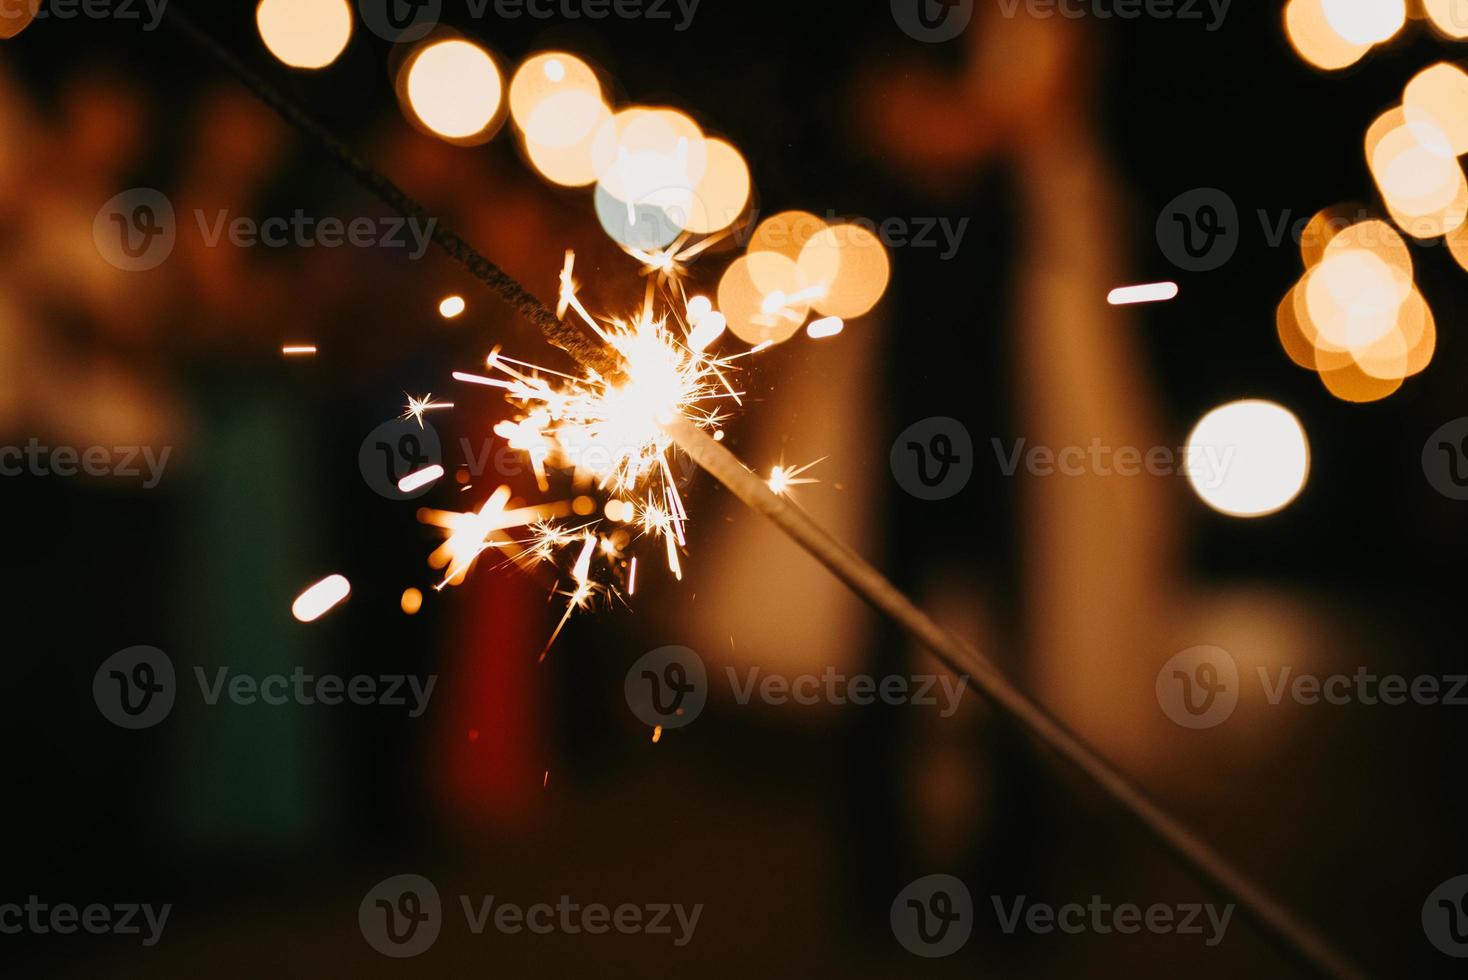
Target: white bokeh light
point(1248, 458)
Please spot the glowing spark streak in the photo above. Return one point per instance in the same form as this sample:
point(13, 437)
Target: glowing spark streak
point(417, 407)
point(420, 478)
point(1157, 292)
point(782, 478)
point(581, 572)
point(317, 600)
point(299, 349)
point(632, 577)
point(828, 327)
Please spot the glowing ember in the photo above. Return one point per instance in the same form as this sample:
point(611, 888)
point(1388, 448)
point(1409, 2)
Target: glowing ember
point(320, 598)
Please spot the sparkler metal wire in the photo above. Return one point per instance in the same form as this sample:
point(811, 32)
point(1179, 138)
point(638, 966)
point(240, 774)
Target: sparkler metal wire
point(1297, 940)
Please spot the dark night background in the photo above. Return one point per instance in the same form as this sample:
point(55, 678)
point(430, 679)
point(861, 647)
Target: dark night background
point(265, 828)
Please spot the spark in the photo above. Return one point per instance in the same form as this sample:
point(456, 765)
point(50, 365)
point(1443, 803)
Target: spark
point(1156, 292)
point(418, 407)
point(419, 479)
point(319, 599)
point(783, 478)
point(297, 349)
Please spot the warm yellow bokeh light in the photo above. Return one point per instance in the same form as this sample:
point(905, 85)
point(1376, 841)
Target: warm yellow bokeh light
point(558, 139)
point(1448, 16)
point(759, 296)
point(454, 88)
point(305, 33)
point(451, 307)
point(1248, 458)
point(1438, 96)
point(786, 233)
point(1417, 173)
point(650, 157)
point(852, 266)
point(1353, 297)
point(1315, 40)
point(412, 601)
point(722, 193)
point(1365, 21)
point(545, 76)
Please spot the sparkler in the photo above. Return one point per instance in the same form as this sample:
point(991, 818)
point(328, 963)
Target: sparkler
point(651, 400)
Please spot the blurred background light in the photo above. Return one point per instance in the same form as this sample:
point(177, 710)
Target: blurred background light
point(305, 33)
point(1365, 21)
point(1262, 455)
point(454, 89)
point(1316, 41)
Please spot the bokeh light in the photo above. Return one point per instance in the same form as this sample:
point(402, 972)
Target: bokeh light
point(851, 265)
point(647, 160)
point(317, 600)
point(723, 191)
point(305, 33)
point(1257, 458)
point(755, 297)
point(557, 104)
point(451, 306)
point(411, 602)
point(16, 16)
point(1438, 96)
point(454, 89)
point(1448, 16)
point(1316, 41)
point(1365, 21)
